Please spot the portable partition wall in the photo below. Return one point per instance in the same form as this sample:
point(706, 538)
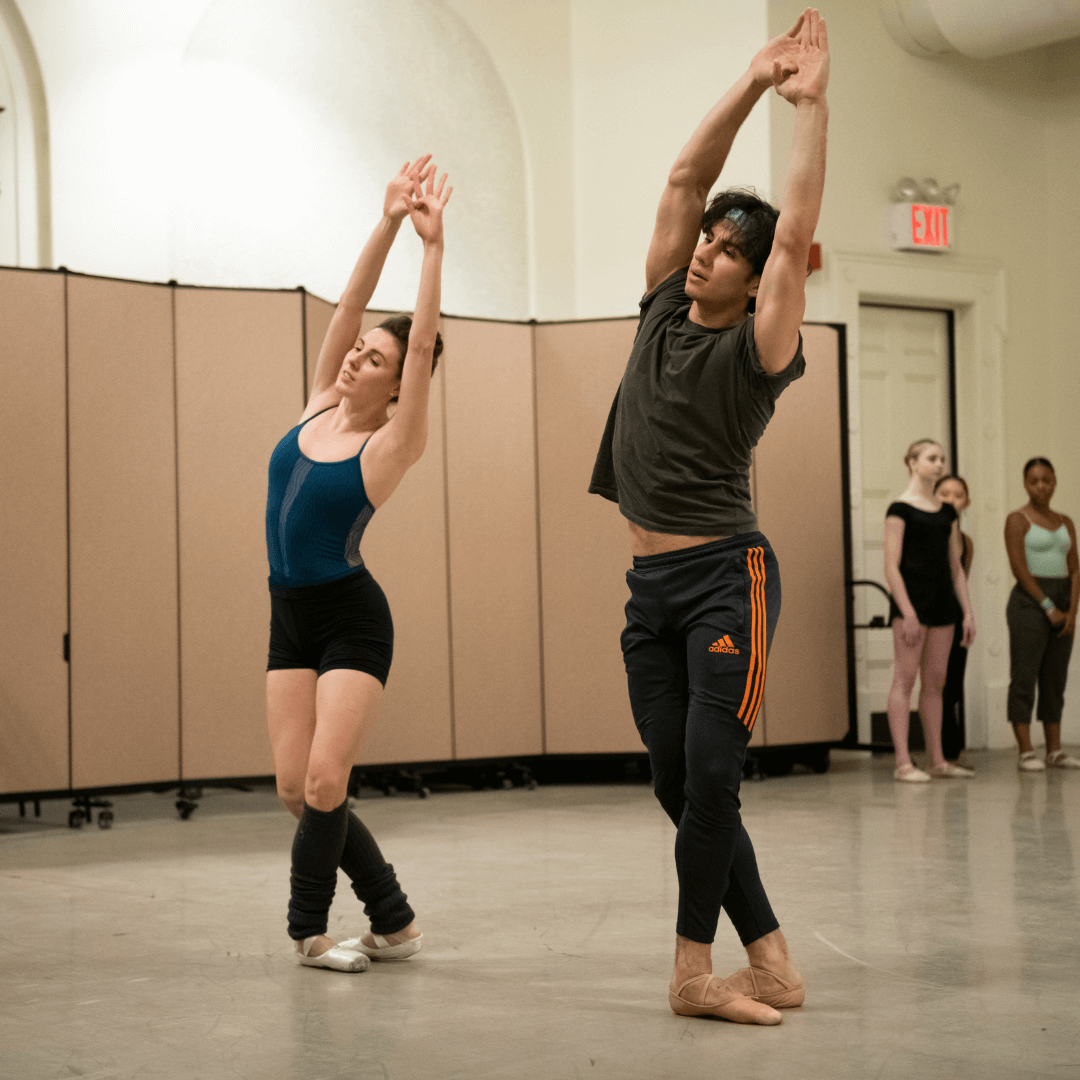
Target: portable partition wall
point(135, 428)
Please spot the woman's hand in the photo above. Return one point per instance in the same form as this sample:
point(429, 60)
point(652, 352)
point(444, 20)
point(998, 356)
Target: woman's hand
point(427, 209)
point(968, 634)
point(909, 630)
point(1057, 617)
point(778, 59)
point(406, 186)
point(808, 81)
point(1070, 626)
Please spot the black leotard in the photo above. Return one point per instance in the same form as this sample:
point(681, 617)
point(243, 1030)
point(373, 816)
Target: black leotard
point(924, 564)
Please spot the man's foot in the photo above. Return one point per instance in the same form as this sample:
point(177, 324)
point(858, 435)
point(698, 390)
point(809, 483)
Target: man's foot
point(779, 991)
point(706, 995)
point(1060, 760)
point(397, 946)
point(1030, 763)
point(320, 951)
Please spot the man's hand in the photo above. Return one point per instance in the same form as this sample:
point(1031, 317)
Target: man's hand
point(779, 59)
point(811, 76)
point(427, 209)
point(407, 185)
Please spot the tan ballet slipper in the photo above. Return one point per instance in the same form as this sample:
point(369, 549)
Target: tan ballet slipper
point(769, 988)
point(706, 995)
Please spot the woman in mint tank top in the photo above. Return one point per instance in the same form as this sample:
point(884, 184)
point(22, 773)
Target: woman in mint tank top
point(1041, 614)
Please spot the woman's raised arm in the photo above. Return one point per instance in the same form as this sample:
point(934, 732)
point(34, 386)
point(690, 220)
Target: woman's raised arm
point(345, 325)
point(406, 434)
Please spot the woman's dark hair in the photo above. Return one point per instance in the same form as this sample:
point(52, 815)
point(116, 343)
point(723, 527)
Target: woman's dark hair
point(1037, 461)
point(752, 220)
point(959, 480)
point(399, 326)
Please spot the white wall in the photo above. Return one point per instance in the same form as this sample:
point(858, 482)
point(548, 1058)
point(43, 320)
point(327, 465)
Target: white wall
point(193, 141)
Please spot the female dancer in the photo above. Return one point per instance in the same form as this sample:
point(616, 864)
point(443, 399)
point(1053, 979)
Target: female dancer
point(923, 568)
point(954, 490)
point(1041, 614)
point(331, 637)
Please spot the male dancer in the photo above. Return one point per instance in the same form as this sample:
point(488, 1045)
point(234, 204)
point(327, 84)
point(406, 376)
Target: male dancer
point(717, 342)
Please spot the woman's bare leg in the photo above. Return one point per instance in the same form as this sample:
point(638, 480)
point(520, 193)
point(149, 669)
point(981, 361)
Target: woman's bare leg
point(905, 669)
point(934, 666)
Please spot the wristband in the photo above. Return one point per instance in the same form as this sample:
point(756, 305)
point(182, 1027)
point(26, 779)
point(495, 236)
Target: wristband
point(1046, 604)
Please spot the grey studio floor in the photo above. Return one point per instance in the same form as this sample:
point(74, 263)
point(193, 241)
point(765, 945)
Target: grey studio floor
point(938, 928)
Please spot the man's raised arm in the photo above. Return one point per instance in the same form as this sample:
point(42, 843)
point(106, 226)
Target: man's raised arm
point(781, 298)
point(678, 220)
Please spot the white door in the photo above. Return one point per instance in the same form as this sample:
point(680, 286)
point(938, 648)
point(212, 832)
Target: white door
point(904, 395)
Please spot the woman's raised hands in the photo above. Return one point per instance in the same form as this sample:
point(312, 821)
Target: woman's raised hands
point(427, 208)
point(811, 75)
point(407, 185)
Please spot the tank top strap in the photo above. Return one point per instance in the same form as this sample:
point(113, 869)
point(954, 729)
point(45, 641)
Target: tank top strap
point(313, 415)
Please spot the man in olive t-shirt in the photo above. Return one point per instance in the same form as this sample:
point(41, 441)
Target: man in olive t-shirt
point(717, 342)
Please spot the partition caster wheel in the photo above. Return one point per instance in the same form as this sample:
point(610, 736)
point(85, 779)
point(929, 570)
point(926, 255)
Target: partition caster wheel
point(105, 819)
point(185, 808)
point(76, 819)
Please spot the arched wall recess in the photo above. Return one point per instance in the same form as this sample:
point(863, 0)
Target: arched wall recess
point(25, 211)
point(291, 124)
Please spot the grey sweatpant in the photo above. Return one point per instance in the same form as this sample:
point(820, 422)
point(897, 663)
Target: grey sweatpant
point(1038, 654)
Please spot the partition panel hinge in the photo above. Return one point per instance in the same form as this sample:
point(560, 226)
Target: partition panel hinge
point(67, 648)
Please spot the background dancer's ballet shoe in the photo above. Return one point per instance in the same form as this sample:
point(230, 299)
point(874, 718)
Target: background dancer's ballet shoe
point(769, 989)
point(385, 950)
point(705, 995)
point(911, 774)
point(1030, 763)
point(1060, 760)
point(336, 958)
point(948, 771)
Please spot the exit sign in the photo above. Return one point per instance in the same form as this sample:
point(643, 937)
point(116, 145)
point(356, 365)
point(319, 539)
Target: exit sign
point(918, 227)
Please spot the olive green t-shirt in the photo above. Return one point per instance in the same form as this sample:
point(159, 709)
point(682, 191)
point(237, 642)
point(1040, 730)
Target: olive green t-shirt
point(691, 407)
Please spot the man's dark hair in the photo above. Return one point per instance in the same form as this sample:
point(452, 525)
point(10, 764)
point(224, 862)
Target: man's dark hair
point(1038, 461)
point(399, 326)
point(753, 223)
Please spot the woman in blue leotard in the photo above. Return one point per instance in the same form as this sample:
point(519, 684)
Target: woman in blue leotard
point(331, 637)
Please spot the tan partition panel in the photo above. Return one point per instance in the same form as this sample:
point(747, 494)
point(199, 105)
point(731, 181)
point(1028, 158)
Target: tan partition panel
point(801, 510)
point(33, 534)
point(405, 548)
point(584, 546)
point(491, 485)
point(124, 679)
point(317, 316)
point(239, 358)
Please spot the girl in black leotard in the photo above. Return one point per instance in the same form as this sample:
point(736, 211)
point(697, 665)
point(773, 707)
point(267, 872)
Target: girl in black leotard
point(923, 552)
point(331, 637)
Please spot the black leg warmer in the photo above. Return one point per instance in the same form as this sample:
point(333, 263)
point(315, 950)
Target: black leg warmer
point(374, 881)
point(316, 854)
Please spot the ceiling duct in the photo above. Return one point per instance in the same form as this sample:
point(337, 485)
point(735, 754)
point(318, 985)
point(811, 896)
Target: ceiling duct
point(980, 29)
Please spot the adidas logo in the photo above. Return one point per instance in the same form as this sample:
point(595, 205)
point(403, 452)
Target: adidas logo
point(723, 644)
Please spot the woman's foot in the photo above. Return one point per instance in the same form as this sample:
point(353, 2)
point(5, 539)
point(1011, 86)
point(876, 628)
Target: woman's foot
point(1030, 763)
point(948, 770)
point(397, 946)
point(707, 995)
point(320, 951)
point(1058, 759)
point(910, 774)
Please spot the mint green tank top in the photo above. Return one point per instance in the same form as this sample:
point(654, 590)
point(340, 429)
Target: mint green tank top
point(1046, 550)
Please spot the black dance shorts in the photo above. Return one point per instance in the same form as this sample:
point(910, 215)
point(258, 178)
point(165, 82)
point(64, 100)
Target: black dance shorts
point(934, 601)
point(343, 623)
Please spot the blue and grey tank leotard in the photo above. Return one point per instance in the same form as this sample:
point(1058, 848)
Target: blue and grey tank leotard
point(316, 513)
